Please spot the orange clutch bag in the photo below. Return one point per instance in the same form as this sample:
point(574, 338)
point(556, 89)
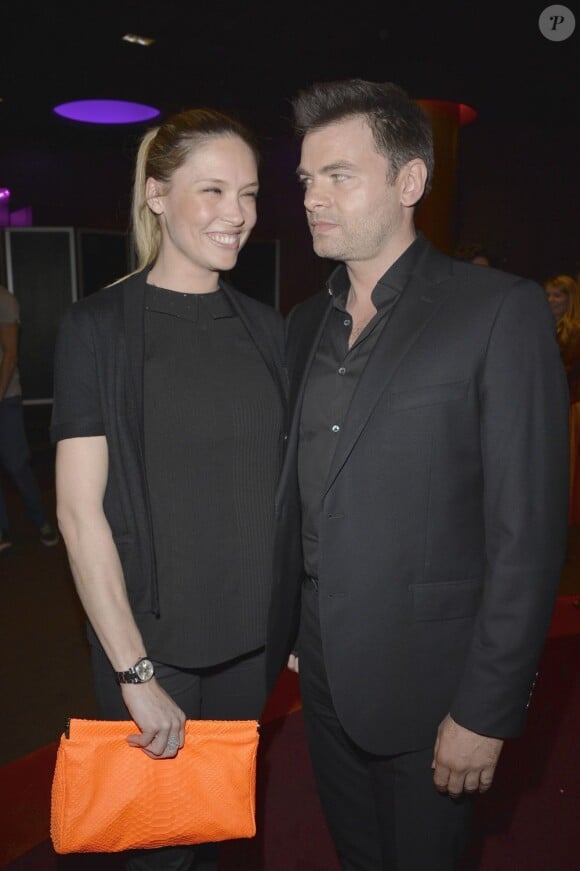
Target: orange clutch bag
point(108, 796)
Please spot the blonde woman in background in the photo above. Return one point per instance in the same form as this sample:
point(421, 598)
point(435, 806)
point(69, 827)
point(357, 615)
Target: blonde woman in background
point(563, 294)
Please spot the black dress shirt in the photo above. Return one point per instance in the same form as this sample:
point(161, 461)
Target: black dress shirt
point(331, 384)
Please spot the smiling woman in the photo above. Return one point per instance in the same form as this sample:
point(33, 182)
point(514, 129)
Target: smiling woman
point(207, 212)
point(168, 414)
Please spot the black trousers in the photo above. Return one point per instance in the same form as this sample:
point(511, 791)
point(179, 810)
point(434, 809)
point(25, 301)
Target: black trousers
point(383, 812)
point(234, 690)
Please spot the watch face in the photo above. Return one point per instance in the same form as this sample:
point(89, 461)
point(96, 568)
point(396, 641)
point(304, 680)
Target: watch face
point(144, 670)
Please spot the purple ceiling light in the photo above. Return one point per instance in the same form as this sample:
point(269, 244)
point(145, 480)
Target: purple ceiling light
point(106, 111)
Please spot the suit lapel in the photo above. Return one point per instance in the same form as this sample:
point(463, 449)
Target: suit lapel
point(419, 302)
point(307, 345)
point(300, 365)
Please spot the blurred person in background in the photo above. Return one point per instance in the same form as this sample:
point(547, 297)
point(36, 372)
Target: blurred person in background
point(563, 294)
point(14, 448)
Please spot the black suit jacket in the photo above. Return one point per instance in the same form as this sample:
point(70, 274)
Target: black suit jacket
point(444, 520)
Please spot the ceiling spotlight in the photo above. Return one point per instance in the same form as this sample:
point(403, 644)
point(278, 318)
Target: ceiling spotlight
point(106, 111)
point(138, 40)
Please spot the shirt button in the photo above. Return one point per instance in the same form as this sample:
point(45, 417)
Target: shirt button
point(336, 428)
point(342, 370)
point(346, 322)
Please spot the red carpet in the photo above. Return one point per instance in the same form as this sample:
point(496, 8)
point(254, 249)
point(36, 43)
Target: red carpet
point(25, 802)
point(566, 618)
point(528, 821)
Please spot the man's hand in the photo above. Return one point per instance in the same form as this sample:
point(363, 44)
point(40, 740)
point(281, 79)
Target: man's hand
point(293, 663)
point(463, 761)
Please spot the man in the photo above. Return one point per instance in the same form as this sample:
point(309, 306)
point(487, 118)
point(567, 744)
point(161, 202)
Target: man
point(428, 459)
point(14, 453)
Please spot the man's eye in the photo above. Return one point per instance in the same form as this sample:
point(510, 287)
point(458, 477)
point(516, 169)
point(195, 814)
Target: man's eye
point(339, 176)
point(305, 182)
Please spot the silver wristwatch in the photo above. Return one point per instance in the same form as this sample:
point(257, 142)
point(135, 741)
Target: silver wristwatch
point(141, 672)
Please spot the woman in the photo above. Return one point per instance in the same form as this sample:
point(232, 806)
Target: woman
point(563, 294)
point(169, 418)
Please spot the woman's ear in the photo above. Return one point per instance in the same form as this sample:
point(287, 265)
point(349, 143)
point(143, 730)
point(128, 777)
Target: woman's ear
point(153, 196)
point(413, 178)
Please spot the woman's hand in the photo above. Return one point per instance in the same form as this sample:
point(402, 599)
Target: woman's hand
point(161, 721)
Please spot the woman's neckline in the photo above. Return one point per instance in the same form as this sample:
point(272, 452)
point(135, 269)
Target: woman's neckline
point(183, 292)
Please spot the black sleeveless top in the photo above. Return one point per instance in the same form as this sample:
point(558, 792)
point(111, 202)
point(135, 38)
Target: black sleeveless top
point(213, 436)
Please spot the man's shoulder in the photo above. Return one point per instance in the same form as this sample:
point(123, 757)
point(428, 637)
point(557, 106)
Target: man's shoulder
point(495, 280)
point(484, 287)
point(437, 266)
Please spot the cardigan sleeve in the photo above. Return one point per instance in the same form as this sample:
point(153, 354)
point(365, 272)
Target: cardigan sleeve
point(77, 410)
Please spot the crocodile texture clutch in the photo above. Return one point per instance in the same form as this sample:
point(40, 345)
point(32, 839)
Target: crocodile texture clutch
point(108, 796)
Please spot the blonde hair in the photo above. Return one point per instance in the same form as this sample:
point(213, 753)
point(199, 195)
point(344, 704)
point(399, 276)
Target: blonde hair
point(162, 151)
point(570, 320)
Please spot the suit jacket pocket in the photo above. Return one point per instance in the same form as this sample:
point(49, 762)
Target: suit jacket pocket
point(431, 394)
point(447, 600)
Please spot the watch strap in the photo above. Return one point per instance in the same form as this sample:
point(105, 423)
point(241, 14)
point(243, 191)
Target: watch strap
point(132, 674)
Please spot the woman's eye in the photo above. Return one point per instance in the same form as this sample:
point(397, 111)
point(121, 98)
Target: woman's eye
point(212, 191)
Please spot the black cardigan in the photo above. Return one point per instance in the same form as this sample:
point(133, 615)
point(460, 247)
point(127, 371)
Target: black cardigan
point(98, 390)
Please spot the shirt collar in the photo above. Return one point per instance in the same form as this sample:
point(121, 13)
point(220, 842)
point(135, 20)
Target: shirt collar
point(389, 285)
point(186, 305)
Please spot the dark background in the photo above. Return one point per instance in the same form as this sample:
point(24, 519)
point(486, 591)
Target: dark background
point(517, 167)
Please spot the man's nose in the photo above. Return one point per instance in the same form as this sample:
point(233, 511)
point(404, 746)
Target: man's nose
point(315, 196)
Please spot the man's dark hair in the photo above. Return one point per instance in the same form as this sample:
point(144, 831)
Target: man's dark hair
point(400, 127)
